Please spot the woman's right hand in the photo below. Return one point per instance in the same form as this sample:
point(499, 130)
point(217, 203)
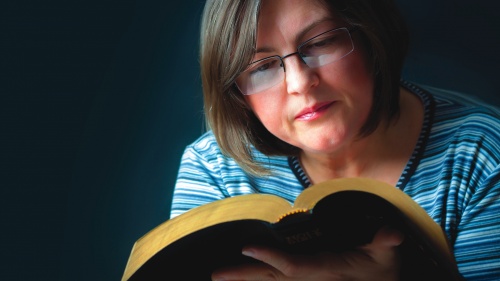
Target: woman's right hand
point(379, 260)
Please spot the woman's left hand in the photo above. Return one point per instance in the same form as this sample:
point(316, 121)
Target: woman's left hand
point(378, 260)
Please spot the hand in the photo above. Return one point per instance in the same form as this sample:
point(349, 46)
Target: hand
point(378, 260)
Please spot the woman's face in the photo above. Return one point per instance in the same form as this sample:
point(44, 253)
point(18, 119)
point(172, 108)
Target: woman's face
point(319, 110)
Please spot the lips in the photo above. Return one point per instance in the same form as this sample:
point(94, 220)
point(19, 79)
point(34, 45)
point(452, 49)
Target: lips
point(314, 111)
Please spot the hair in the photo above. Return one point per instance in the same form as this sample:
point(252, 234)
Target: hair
point(227, 44)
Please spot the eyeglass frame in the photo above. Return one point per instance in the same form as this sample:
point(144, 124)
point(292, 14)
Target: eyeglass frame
point(281, 58)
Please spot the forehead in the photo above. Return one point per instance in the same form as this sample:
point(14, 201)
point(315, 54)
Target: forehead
point(290, 19)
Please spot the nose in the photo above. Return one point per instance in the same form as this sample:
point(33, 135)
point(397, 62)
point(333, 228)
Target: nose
point(299, 77)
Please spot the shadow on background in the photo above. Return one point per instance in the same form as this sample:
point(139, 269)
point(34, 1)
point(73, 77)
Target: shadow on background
point(99, 98)
point(455, 45)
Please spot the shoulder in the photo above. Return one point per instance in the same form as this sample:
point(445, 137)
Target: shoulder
point(451, 104)
point(467, 116)
point(206, 174)
point(206, 146)
point(206, 152)
point(458, 163)
point(206, 143)
point(456, 113)
point(461, 138)
point(466, 122)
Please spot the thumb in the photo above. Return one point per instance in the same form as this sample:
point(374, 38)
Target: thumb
point(388, 236)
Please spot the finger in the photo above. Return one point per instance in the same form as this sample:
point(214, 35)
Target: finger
point(388, 236)
point(284, 264)
point(269, 256)
point(384, 247)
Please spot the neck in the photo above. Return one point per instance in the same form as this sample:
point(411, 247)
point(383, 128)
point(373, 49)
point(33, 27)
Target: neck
point(381, 155)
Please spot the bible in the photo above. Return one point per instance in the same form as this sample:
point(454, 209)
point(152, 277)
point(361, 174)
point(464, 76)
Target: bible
point(337, 215)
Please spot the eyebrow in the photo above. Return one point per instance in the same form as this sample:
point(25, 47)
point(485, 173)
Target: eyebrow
point(300, 35)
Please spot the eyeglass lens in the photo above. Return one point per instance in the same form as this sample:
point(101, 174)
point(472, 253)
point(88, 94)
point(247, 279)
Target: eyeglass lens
point(323, 49)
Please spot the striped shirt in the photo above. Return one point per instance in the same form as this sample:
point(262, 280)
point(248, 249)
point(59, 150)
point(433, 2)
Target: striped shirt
point(453, 173)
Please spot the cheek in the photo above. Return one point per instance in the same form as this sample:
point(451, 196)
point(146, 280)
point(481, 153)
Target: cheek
point(350, 78)
point(358, 77)
point(359, 68)
point(267, 108)
point(351, 81)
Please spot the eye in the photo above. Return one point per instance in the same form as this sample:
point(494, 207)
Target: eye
point(263, 66)
point(320, 43)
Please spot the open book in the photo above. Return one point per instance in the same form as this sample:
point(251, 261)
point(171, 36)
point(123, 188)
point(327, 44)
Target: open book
point(336, 215)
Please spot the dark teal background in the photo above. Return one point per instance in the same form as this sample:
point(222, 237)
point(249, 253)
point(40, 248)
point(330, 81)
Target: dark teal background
point(98, 99)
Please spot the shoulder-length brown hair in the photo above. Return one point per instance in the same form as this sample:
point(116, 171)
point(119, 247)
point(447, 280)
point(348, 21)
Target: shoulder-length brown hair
point(227, 43)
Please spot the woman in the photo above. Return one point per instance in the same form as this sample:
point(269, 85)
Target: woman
point(298, 92)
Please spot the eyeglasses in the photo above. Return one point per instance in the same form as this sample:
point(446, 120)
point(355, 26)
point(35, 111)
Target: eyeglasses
point(325, 48)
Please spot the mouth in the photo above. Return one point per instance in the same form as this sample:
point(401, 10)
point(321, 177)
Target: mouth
point(314, 112)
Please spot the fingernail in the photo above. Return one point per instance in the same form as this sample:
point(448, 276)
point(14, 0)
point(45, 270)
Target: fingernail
point(248, 252)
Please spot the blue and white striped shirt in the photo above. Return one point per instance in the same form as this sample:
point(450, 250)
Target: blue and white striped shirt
point(454, 174)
